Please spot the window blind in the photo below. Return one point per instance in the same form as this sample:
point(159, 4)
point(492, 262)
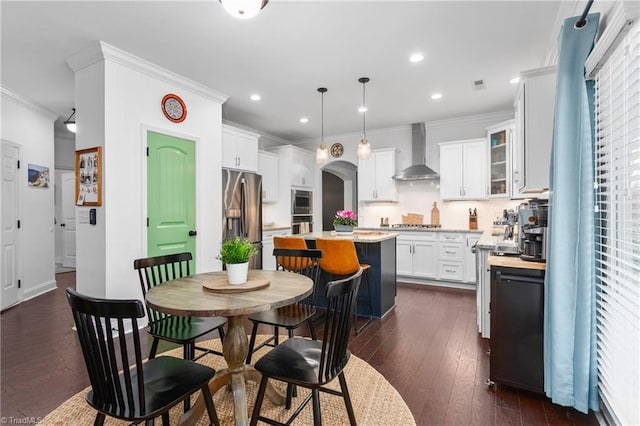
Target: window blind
point(617, 224)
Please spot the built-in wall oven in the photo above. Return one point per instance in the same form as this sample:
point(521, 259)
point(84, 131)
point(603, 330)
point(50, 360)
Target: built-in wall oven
point(301, 211)
point(301, 202)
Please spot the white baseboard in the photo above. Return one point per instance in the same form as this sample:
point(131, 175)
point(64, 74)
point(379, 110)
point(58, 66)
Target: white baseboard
point(36, 291)
point(448, 284)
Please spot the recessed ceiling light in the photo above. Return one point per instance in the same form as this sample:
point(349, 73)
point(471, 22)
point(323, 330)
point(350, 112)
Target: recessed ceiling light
point(255, 97)
point(304, 120)
point(514, 80)
point(436, 96)
point(416, 57)
point(362, 109)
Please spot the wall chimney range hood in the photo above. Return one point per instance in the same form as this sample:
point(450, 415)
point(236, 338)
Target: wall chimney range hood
point(418, 169)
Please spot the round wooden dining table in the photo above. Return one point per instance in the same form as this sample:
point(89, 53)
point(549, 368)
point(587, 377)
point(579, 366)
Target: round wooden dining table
point(189, 297)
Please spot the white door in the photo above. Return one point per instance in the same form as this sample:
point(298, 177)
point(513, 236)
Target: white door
point(10, 211)
point(68, 181)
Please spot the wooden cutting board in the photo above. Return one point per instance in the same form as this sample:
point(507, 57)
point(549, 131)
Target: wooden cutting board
point(412, 219)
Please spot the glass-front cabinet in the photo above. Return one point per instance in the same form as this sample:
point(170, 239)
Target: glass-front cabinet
point(500, 139)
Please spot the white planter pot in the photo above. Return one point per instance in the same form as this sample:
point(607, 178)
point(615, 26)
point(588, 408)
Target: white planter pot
point(237, 273)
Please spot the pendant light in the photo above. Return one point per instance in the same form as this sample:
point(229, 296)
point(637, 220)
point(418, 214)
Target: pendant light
point(364, 149)
point(243, 9)
point(322, 153)
point(71, 122)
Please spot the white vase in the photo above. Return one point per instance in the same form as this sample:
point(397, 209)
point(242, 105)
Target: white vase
point(237, 273)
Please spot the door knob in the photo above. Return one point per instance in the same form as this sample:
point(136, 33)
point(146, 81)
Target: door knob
point(63, 224)
point(192, 233)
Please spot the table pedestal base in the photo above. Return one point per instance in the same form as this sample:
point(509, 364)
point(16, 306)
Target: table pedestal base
point(235, 349)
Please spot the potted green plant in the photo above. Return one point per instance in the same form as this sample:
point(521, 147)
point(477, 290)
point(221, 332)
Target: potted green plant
point(344, 221)
point(235, 254)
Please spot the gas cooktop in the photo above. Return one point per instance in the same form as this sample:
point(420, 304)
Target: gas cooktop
point(415, 226)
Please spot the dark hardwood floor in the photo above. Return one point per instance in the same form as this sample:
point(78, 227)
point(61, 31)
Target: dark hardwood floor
point(428, 348)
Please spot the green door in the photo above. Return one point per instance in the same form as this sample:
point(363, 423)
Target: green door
point(171, 195)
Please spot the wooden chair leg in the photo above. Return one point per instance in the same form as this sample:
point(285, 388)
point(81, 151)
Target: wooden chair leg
point(252, 342)
point(292, 390)
point(154, 348)
point(208, 401)
point(221, 333)
point(259, 399)
point(347, 399)
point(312, 329)
point(355, 314)
point(165, 419)
point(317, 417)
point(99, 421)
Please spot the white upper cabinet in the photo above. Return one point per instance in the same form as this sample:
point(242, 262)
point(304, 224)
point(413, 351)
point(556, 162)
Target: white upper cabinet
point(499, 142)
point(239, 149)
point(375, 176)
point(296, 166)
point(463, 170)
point(268, 169)
point(535, 104)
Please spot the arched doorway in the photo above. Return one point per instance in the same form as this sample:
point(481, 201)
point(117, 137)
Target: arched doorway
point(339, 190)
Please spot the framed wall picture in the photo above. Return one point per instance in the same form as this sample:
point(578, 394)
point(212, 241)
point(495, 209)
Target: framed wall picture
point(89, 177)
point(38, 176)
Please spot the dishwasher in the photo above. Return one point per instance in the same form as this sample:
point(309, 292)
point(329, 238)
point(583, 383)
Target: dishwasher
point(517, 316)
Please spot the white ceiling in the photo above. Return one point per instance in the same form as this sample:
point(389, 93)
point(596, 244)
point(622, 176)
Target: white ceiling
point(289, 50)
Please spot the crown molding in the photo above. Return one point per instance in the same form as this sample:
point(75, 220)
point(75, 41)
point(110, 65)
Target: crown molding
point(14, 97)
point(496, 116)
point(255, 132)
point(100, 50)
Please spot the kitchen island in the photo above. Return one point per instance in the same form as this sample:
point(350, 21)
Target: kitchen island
point(377, 249)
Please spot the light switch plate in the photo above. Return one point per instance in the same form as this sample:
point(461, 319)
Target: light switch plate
point(83, 216)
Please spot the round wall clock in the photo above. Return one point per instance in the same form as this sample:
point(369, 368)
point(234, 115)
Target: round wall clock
point(337, 150)
point(174, 108)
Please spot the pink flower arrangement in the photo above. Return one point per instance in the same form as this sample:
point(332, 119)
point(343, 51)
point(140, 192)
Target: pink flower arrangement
point(345, 217)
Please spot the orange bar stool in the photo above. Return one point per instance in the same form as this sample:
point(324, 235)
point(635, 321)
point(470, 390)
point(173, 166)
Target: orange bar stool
point(339, 258)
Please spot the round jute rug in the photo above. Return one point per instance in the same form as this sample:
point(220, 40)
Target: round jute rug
point(375, 401)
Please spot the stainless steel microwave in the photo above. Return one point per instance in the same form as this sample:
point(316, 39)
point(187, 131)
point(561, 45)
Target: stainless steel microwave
point(301, 202)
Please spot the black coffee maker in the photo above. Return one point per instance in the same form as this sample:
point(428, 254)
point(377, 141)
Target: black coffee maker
point(533, 230)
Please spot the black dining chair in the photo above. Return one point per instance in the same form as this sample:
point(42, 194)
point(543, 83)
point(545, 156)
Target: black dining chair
point(176, 329)
point(122, 386)
point(311, 363)
point(300, 261)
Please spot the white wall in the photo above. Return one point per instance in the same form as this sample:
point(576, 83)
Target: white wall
point(117, 101)
point(31, 127)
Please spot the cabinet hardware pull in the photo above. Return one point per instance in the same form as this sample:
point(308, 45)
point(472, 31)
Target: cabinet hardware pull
point(450, 270)
point(450, 252)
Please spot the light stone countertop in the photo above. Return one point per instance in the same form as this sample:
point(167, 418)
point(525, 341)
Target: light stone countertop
point(398, 230)
point(359, 235)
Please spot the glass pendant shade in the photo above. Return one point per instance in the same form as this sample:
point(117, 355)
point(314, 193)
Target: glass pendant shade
point(322, 154)
point(243, 9)
point(364, 149)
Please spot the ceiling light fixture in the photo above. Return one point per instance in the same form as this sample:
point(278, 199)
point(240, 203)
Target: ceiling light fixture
point(304, 120)
point(416, 57)
point(255, 97)
point(364, 149)
point(71, 122)
point(515, 80)
point(322, 153)
point(243, 9)
point(436, 96)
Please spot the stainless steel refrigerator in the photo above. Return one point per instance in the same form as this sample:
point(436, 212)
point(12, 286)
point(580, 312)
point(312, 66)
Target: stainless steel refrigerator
point(242, 209)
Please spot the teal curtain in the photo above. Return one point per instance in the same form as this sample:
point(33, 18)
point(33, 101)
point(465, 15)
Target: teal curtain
point(570, 366)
